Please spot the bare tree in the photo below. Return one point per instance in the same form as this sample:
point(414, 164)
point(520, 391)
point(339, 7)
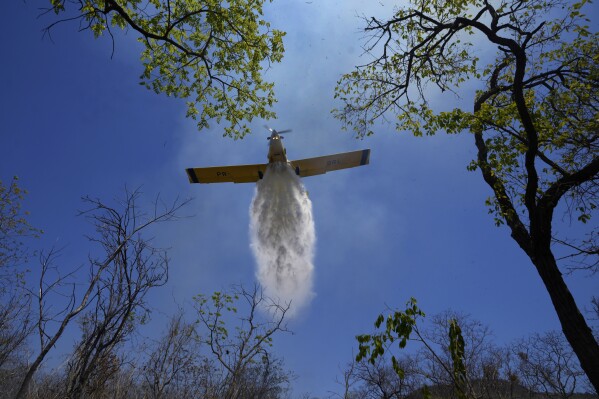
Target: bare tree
point(264, 379)
point(94, 380)
point(15, 322)
point(174, 365)
point(208, 361)
point(125, 384)
point(15, 328)
point(244, 357)
point(119, 301)
point(380, 380)
point(594, 308)
point(14, 229)
point(547, 364)
point(47, 385)
point(118, 232)
point(348, 382)
point(500, 378)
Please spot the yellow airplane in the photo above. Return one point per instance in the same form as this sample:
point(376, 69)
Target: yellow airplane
point(277, 153)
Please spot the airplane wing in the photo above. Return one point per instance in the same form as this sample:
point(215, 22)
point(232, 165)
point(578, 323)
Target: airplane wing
point(224, 174)
point(328, 163)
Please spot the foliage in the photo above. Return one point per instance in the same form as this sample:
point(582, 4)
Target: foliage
point(398, 327)
point(403, 327)
point(534, 119)
point(453, 356)
point(457, 351)
point(209, 52)
point(436, 44)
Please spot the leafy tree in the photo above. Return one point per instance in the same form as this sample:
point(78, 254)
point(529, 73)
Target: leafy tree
point(534, 120)
point(210, 52)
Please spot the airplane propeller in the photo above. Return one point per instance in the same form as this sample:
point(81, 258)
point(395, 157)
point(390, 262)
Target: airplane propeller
point(276, 131)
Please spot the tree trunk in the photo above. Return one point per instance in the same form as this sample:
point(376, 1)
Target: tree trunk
point(574, 325)
point(22, 393)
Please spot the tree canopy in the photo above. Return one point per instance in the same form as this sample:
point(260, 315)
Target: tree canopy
point(212, 54)
point(534, 117)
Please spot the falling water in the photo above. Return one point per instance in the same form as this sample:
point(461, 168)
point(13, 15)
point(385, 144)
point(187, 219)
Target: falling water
point(282, 236)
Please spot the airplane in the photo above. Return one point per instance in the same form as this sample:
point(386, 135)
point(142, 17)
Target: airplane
point(278, 153)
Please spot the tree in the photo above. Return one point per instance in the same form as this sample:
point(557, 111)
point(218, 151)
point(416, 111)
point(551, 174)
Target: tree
point(118, 303)
point(173, 367)
point(15, 321)
point(212, 53)
point(547, 364)
point(500, 377)
point(379, 380)
point(534, 120)
point(266, 379)
point(468, 366)
point(15, 327)
point(127, 258)
point(248, 369)
point(456, 358)
point(13, 229)
point(348, 382)
point(446, 358)
point(202, 359)
point(542, 364)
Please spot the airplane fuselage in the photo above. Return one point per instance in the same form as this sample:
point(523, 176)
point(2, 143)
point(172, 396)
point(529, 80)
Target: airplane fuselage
point(276, 150)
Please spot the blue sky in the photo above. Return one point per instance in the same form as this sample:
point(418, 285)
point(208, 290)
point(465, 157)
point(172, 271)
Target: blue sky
point(75, 122)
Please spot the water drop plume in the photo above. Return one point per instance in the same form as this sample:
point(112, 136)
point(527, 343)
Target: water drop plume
point(282, 236)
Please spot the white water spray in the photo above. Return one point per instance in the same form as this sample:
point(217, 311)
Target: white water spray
point(282, 236)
